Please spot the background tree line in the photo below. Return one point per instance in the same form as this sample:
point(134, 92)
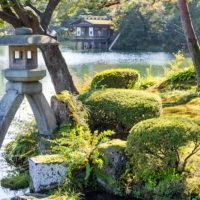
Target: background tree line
point(141, 27)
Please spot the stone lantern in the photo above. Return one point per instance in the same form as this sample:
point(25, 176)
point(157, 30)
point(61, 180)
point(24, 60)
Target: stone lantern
point(23, 78)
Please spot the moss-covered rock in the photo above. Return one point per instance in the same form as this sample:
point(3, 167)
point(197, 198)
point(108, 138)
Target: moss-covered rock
point(68, 109)
point(120, 109)
point(114, 162)
point(114, 156)
point(116, 78)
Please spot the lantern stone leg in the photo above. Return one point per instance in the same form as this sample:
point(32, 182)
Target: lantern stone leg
point(44, 116)
point(8, 108)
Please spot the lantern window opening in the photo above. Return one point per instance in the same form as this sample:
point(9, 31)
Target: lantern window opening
point(18, 55)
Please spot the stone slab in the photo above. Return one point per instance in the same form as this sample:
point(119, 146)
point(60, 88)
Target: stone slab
point(24, 75)
point(46, 171)
point(24, 88)
point(27, 40)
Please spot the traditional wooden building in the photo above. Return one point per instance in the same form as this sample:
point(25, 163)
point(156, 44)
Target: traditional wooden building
point(93, 31)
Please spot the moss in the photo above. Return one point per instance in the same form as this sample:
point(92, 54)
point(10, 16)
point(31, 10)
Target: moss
point(190, 109)
point(197, 50)
point(16, 182)
point(115, 144)
point(120, 109)
point(177, 97)
point(116, 78)
point(48, 159)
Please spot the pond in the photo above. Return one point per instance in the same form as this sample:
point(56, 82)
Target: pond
point(80, 64)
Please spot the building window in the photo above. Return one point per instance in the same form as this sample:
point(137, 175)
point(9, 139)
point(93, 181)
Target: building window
point(91, 31)
point(29, 55)
point(78, 31)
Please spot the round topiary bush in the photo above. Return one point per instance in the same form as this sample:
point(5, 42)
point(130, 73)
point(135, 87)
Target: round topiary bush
point(116, 78)
point(120, 109)
point(160, 142)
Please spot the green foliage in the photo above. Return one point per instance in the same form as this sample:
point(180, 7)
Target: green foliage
point(119, 109)
point(149, 80)
point(170, 189)
point(157, 185)
point(23, 146)
point(140, 27)
point(16, 182)
point(183, 79)
point(156, 144)
point(116, 78)
point(181, 74)
point(78, 146)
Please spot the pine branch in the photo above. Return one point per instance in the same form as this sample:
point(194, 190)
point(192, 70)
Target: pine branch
point(11, 19)
point(46, 16)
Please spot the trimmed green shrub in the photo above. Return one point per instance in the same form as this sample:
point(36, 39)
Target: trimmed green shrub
point(119, 109)
point(116, 78)
point(158, 143)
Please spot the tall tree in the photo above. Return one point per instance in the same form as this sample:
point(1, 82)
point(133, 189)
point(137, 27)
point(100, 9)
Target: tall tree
point(24, 13)
point(190, 35)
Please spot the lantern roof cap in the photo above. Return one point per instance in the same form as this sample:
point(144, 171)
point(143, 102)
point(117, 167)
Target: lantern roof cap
point(23, 37)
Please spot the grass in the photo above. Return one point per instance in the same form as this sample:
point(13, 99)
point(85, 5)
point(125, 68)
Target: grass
point(16, 182)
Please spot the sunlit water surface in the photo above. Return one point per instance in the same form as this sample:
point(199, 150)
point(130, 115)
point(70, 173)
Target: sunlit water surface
point(80, 63)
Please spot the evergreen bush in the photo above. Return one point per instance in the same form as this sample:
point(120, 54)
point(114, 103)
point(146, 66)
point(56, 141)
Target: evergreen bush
point(158, 143)
point(120, 109)
point(116, 78)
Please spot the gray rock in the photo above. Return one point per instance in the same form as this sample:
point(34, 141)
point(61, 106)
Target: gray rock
point(46, 171)
point(115, 162)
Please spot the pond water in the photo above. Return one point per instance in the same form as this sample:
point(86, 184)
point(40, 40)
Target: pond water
point(80, 63)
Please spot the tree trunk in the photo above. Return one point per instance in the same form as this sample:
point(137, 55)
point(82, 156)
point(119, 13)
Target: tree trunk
point(190, 36)
point(57, 67)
